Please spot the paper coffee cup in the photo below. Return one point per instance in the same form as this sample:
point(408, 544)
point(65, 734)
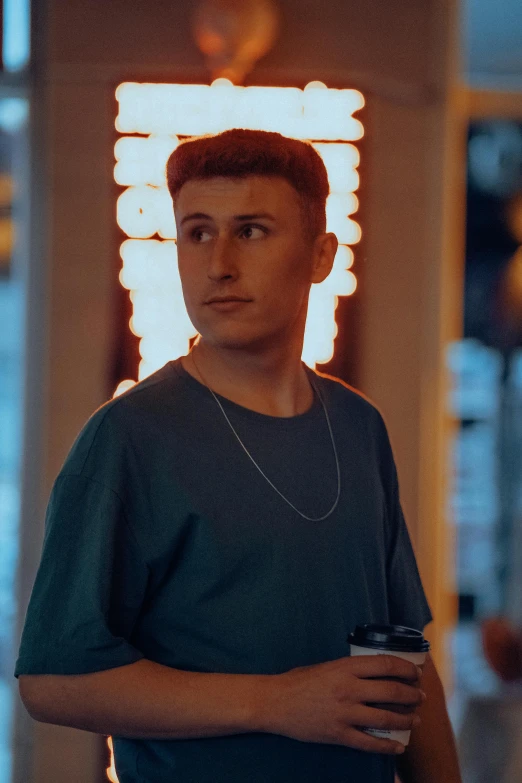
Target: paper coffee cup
point(407, 643)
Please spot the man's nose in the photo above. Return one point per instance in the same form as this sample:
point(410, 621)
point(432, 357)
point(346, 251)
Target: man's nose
point(222, 262)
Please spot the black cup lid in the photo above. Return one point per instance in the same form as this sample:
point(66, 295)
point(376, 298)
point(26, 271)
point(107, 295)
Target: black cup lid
point(389, 637)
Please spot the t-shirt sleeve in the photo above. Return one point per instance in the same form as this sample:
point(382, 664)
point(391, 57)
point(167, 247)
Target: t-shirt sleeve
point(89, 587)
point(407, 600)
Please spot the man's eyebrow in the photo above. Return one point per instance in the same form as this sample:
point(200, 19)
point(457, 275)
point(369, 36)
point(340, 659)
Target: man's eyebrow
point(254, 216)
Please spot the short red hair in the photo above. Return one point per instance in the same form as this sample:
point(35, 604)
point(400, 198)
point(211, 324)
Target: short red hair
point(240, 152)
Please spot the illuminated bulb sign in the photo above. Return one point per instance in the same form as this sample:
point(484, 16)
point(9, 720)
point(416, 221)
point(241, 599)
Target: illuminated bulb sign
point(153, 119)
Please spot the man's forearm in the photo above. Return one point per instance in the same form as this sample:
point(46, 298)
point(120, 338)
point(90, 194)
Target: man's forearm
point(431, 756)
point(148, 700)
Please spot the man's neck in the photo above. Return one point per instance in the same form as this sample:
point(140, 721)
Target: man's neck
point(274, 388)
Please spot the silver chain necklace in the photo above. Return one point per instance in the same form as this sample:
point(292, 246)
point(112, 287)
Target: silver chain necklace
point(319, 519)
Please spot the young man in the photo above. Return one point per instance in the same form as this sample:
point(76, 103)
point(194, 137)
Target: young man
point(217, 531)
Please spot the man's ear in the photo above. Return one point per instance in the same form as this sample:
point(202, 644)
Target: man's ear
point(325, 248)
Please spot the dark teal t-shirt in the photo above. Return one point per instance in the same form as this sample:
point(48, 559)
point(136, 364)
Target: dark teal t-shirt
point(163, 541)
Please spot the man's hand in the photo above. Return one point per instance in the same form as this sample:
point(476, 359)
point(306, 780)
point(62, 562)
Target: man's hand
point(330, 702)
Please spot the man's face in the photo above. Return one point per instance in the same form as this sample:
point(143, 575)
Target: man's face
point(244, 237)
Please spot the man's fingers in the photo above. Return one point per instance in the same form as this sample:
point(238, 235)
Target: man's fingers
point(356, 738)
point(372, 718)
point(390, 692)
point(384, 666)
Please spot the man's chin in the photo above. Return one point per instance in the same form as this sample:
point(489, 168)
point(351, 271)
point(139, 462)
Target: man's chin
point(229, 343)
point(234, 340)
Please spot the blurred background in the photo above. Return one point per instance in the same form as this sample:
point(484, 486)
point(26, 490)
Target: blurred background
point(417, 110)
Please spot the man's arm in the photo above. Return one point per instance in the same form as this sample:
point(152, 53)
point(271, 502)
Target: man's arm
point(146, 700)
point(431, 756)
point(324, 703)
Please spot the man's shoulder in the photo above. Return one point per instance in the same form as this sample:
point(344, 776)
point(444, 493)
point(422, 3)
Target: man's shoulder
point(109, 426)
point(142, 394)
point(343, 394)
point(152, 385)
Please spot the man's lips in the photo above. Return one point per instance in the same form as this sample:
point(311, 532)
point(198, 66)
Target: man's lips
point(226, 305)
point(226, 299)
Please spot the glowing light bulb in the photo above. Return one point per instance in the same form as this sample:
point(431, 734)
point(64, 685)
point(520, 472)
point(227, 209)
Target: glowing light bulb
point(123, 387)
point(316, 85)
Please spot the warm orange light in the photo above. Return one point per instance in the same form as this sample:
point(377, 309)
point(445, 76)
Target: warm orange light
point(513, 283)
point(111, 770)
point(158, 115)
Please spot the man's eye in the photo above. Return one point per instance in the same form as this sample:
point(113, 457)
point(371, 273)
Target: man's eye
point(196, 234)
point(251, 228)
